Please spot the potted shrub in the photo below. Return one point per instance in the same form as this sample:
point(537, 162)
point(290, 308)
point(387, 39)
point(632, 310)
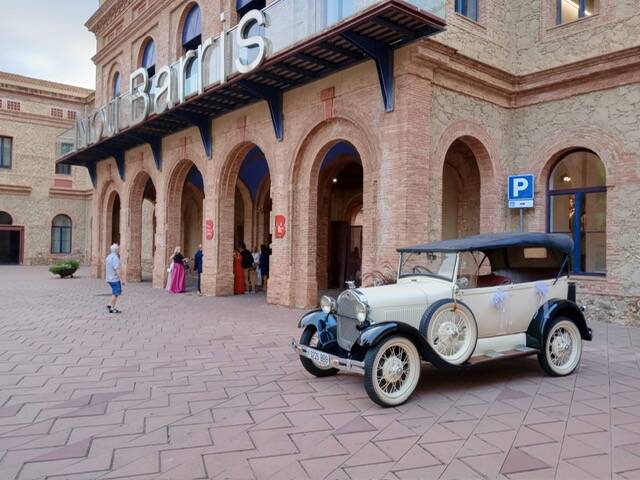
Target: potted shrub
point(65, 269)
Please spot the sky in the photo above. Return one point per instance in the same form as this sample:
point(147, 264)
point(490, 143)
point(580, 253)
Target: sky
point(47, 39)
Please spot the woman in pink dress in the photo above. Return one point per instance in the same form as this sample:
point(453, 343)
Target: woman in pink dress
point(177, 272)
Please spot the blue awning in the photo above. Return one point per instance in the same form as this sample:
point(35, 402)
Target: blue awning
point(192, 25)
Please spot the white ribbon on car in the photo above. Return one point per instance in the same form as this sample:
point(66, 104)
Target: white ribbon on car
point(542, 290)
point(499, 299)
point(499, 302)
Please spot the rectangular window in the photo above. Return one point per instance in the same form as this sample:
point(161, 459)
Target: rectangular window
point(468, 8)
point(61, 240)
point(13, 105)
point(62, 169)
point(57, 112)
point(6, 147)
point(571, 10)
point(71, 115)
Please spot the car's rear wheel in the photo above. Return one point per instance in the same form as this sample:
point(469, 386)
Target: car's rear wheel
point(309, 338)
point(562, 348)
point(392, 371)
point(451, 332)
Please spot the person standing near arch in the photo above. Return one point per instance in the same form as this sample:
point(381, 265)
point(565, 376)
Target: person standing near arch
point(113, 276)
point(197, 266)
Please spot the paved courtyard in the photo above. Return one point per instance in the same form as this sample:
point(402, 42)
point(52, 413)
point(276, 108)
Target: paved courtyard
point(181, 387)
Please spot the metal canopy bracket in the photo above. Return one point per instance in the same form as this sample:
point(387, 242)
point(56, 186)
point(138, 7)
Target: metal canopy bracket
point(119, 156)
point(91, 166)
point(273, 97)
point(382, 55)
point(155, 142)
point(203, 122)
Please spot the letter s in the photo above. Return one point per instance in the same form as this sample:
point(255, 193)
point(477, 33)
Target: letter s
point(257, 17)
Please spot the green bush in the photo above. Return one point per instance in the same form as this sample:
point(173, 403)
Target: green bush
point(65, 269)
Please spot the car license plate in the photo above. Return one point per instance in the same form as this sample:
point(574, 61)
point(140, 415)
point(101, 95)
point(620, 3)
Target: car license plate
point(320, 358)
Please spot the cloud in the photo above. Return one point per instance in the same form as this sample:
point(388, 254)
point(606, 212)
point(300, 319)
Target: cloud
point(47, 39)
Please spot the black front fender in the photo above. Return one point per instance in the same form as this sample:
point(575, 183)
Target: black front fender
point(550, 310)
point(375, 334)
point(324, 323)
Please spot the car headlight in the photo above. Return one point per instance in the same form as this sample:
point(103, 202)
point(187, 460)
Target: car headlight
point(327, 304)
point(361, 311)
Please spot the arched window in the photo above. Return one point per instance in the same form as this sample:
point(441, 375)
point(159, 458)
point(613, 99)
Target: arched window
point(243, 6)
point(148, 59)
point(192, 29)
point(116, 85)
point(5, 219)
point(577, 206)
point(61, 234)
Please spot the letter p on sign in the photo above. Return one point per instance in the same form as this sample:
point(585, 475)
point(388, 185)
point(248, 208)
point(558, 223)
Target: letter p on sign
point(521, 191)
point(519, 185)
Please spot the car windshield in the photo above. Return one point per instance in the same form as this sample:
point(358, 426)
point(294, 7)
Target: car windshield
point(431, 264)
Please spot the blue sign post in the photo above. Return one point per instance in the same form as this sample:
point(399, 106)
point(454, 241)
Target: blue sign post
point(521, 191)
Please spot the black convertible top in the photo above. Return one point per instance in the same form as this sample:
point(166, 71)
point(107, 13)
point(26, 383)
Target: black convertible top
point(494, 241)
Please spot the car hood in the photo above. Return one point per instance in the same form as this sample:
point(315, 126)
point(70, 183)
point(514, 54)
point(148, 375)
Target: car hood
point(405, 294)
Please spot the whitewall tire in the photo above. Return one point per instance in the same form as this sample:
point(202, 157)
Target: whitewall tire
point(562, 348)
point(451, 332)
point(392, 371)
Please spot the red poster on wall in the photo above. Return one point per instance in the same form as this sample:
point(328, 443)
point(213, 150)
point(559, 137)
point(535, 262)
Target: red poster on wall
point(209, 229)
point(280, 226)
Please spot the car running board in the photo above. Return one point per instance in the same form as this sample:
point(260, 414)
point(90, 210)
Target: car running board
point(520, 351)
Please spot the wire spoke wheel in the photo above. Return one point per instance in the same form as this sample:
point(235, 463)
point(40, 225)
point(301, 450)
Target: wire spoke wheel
point(392, 371)
point(452, 333)
point(562, 348)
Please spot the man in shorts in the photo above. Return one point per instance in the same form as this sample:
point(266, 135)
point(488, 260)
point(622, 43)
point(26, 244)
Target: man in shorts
point(112, 275)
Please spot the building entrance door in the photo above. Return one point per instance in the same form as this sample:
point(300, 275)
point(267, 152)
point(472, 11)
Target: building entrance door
point(11, 241)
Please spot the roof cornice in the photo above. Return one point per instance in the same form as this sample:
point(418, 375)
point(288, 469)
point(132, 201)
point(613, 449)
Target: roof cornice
point(43, 88)
point(106, 14)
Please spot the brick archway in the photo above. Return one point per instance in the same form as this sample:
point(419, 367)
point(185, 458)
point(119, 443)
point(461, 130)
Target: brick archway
point(103, 226)
point(305, 177)
point(175, 186)
point(602, 143)
point(135, 202)
point(228, 183)
point(478, 141)
point(112, 195)
point(247, 214)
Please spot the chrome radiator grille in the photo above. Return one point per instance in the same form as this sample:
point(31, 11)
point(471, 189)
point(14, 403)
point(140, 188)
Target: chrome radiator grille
point(346, 317)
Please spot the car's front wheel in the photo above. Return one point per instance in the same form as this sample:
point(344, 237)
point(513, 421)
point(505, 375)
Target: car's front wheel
point(309, 338)
point(392, 371)
point(562, 348)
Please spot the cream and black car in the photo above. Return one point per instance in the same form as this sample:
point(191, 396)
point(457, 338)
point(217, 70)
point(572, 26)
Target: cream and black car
point(456, 303)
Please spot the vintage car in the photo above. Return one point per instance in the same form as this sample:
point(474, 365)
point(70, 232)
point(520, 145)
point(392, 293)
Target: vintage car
point(456, 303)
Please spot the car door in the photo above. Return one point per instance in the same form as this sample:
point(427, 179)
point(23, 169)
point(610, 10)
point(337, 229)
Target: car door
point(488, 303)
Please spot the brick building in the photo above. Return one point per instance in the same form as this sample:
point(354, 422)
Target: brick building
point(362, 126)
point(44, 208)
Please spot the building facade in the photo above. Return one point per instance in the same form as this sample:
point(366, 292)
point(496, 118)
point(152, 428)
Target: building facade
point(366, 125)
point(45, 208)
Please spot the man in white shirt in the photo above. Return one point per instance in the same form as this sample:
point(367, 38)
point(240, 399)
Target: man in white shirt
point(112, 275)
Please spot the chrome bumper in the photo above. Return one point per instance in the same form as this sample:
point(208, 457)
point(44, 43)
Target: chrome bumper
point(334, 361)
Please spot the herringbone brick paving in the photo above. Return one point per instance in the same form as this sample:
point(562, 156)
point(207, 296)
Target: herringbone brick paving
point(182, 387)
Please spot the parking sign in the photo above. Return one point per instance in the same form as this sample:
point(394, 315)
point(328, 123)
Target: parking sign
point(521, 191)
